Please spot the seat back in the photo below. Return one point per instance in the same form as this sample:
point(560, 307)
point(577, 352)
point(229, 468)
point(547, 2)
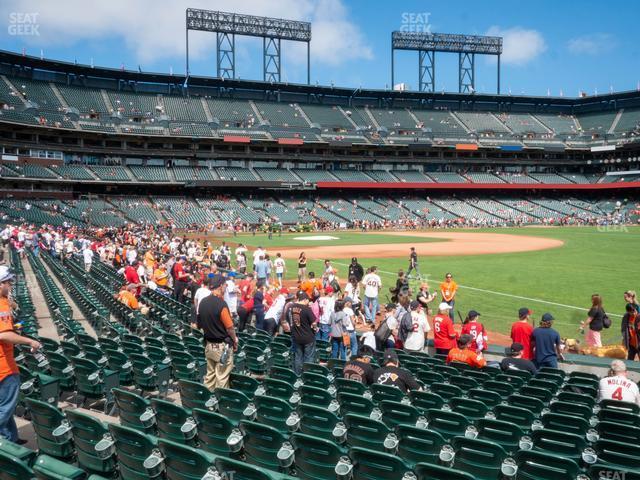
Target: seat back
point(132, 449)
point(315, 458)
point(365, 432)
point(448, 424)
point(482, 458)
point(213, 430)
point(418, 444)
point(130, 408)
point(45, 419)
point(261, 444)
point(183, 462)
point(317, 421)
point(87, 432)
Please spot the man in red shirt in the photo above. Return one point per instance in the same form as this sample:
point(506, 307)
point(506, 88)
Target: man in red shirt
point(181, 280)
point(131, 273)
point(521, 332)
point(246, 288)
point(444, 334)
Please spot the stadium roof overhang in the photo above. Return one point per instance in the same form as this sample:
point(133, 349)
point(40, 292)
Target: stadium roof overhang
point(16, 63)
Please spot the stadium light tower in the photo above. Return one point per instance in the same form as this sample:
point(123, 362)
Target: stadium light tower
point(427, 44)
point(227, 25)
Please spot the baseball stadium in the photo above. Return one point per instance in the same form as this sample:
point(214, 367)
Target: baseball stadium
point(214, 277)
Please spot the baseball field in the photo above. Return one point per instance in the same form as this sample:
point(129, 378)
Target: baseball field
point(554, 269)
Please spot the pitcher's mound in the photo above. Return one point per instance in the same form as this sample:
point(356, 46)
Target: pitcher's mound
point(316, 238)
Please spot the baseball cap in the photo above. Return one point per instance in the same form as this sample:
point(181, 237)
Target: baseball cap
point(516, 347)
point(473, 314)
point(329, 289)
point(465, 339)
point(444, 306)
point(347, 299)
point(523, 312)
point(390, 357)
point(390, 306)
point(231, 274)
point(414, 305)
point(216, 281)
point(284, 290)
point(6, 275)
point(618, 366)
point(302, 295)
point(547, 317)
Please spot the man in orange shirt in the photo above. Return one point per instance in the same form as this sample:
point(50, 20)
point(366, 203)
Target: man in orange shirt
point(463, 354)
point(448, 289)
point(127, 296)
point(311, 286)
point(9, 373)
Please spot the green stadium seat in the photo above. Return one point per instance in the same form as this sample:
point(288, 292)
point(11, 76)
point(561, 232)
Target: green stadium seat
point(272, 411)
point(131, 408)
point(415, 444)
point(277, 388)
point(534, 465)
point(182, 462)
point(532, 404)
point(349, 386)
point(372, 464)
point(119, 362)
point(565, 423)
point(87, 433)
point(133, 447)
point(448, 424)
point(558, 443)
point(283, 374)
point(423, 401)
point(619, 405)
point(238, 470)
point(470, 408)
point(316, 421)
point(173, 422)
point(501, 388)
point(617, 454)
point(261, 444)
point(22, 453)
point(619, 416)
point(489, 398)
point(430, 471)
point(315, 396)
point(315, 458)
point(398, 413)
point(521, 417)
point(46, 420)
point(428, 378)
point(446, 390)
point(12, 468)
point(365, 432)
point(566, 408)
point(213, 431)
point(579, 398)
point(315, 380)
point(196, 395)
point(541, 394)
point(462, 381)
point(231, 403)
point(243, 383)
point(356, 404)
point(482, 458)
point(505, 434)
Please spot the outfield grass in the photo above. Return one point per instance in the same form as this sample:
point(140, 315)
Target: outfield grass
point(343, 238)
point(591, 261)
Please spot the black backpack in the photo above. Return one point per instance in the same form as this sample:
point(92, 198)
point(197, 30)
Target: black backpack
point(606, 321)
point(406, 325)
point(382, 334)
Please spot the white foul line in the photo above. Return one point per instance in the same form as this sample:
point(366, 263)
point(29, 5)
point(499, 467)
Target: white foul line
point(503, 294)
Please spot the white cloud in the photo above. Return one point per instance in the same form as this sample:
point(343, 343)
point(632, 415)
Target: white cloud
point(592, 44)
point(155, 30)
point(520, 45)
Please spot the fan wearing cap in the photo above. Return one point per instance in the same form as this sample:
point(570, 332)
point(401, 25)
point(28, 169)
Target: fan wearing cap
point(9, 373)
point(617, 386)
point(463, 354)
point(214, 319)
point(476, 329)
point(274, 314)
point(359, 368)
point(420, 328)
point(546, 343)
point(521, 332)
point(444, 336)
point(514, 360)
point(391, 374)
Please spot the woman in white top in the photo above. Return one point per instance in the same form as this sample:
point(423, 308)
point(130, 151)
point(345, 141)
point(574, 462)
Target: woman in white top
point(350, 325)
point(352, 290)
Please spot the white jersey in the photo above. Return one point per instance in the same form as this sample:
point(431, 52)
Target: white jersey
point(279, 264)
point(201, 293)
point(415, 339)
point(87, 254)
point(231, 296)
point(618, 388)
point(369, 339)
point(327, 306)
point(372, 284)
point(276, 309)
point(352, 292)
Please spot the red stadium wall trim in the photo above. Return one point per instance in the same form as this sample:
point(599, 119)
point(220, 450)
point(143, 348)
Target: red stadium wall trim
point(236, 139)
point(290, 141)
point(476, 186)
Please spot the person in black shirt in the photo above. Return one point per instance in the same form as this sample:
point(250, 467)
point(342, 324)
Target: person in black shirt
point(303, 335)
point(594, 323)
point(515, 361)
point(214, 319)
point(391, 374)
point(413, 264)
point(356, 270)
point(359, 368)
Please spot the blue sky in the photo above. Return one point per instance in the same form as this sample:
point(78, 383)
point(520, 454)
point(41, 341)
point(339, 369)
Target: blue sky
point(549, 45)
